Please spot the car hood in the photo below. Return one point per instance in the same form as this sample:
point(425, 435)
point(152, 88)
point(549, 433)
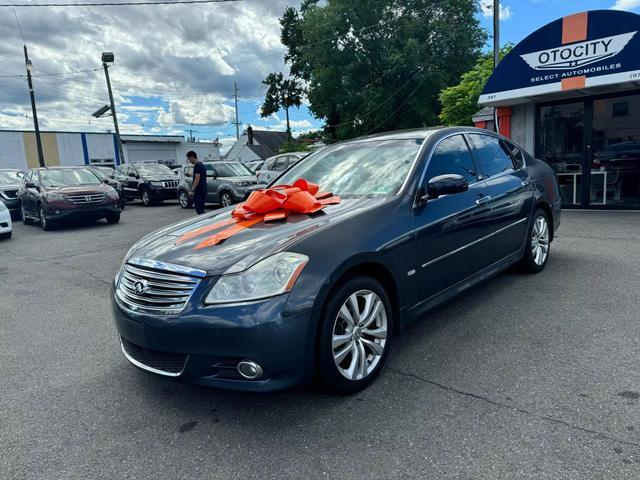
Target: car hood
point(245, 247)
point(10, 187)
point(77, 189)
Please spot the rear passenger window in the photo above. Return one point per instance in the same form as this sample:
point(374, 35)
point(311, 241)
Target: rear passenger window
point(516, 154)
point(492, 155)
point(281, 163)
point(452, 156)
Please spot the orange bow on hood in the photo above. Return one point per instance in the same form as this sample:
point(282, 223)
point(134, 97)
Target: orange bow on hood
point(268, 205)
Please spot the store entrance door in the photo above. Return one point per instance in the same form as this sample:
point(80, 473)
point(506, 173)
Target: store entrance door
point(594, 147)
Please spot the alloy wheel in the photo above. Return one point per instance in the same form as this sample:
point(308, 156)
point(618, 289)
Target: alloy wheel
point(146, 198)
point(184, 199)
point(540, 240)
point(43, 219)
point(359, 335)
point(226, 200)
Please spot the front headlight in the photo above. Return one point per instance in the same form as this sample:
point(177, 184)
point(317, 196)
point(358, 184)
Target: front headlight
point(53, 196)
point(112, 193)
point(157, 184)
point(243, 184)
point(272, 276)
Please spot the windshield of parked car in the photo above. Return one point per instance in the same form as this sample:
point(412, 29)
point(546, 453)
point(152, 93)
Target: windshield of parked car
point(373, 167)
point(68, 177)
point(9, 178)
point(153, 169)
point(253, 166)
point(101, 174)
point(231, 169)
point(108, 171)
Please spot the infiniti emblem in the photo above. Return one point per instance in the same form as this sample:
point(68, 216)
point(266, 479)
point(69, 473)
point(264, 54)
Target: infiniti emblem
point(140, 286)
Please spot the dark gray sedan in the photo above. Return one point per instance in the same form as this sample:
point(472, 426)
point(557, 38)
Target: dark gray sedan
point(227, 183)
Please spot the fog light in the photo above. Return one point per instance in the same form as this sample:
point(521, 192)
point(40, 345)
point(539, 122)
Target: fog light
point(249, 370)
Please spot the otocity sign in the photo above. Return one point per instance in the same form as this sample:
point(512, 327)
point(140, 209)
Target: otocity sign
point(584, 50)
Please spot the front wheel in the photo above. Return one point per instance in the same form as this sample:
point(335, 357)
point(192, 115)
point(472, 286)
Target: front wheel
point(45, 223)
point(226, 199)
point(536, 252)
point(355, 335)
point(146, 198)
point(123, 203)
point(184, 200)
point(113, 217)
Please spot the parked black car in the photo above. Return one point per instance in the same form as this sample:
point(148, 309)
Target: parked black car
point(10, 181)
point(149, 182)
point(52, 195)
point(422, 216)
point(103, 174)
point(227, 183)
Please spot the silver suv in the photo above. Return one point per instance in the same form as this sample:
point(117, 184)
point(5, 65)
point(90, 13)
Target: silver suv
point(227, 183)
point(274, 166)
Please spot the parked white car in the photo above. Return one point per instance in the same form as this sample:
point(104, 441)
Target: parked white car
point(274, 166)
point(6, 227)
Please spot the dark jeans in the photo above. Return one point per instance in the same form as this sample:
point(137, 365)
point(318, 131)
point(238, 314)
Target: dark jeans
point(198, 202)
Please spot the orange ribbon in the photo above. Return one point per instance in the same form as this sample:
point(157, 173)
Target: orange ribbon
point(269, 205)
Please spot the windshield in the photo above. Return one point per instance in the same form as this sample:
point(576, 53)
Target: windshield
point(108, 171)
point(374, 167)
point(231, 170)
point(153, 169)
point(68, 177)
point(9, 178)
point(101, 174)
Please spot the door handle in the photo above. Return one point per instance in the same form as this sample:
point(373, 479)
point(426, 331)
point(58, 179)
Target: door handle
point(483, 200)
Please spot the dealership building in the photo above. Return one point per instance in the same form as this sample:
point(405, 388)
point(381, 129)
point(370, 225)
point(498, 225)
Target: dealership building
point(570, 94)
point(18, 149)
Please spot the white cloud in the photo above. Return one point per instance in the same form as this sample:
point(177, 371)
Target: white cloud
point(626, 4)
point(184, 57)
point(486, 6)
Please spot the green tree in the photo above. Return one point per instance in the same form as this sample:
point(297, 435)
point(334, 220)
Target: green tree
point(281, 93)
point(376, 65)
point(460, 101)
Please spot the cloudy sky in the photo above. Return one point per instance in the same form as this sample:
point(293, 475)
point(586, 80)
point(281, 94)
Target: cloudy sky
point(175, 65)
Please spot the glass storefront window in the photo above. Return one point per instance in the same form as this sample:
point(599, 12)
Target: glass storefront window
point(561, 145)
point(615, 146)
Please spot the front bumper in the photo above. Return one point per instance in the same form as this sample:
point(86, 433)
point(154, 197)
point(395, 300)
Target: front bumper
point(5, 222)
point(12, 204)
point(214, 339)
point(163, 193)
point(61, 212)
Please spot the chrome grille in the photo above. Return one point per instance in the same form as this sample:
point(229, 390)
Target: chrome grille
point(87, 199)
point(152, 290)
point(171, 184)
point(9, 194)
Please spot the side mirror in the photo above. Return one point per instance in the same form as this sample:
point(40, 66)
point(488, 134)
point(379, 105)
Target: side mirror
point(445, 185)
point(133, 175)
point(31, 185)
point(104, 180)
point(214, 174)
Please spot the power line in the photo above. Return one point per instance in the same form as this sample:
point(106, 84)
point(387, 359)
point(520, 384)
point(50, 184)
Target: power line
point(54, 74)
point(115, 4)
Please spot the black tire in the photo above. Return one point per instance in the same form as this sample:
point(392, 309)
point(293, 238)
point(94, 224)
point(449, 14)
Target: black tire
point(184, 200)
point(26, 220)
point(6, 235)
point(45, 223)
point(113, 218)
point(329, 375)
point(146, 197)
point(226, 199)
point(123, 203)
point(532, 262)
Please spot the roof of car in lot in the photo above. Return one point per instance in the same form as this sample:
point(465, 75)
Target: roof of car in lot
point(416, 133)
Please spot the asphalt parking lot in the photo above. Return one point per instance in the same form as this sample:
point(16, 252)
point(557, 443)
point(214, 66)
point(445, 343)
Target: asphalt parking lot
point(524, 377)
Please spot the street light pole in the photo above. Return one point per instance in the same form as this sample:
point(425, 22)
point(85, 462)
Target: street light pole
point(33, 107)
point(496, 51)
point(108, 57)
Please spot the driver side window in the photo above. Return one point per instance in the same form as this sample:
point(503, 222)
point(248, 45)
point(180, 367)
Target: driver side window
point(452, 156)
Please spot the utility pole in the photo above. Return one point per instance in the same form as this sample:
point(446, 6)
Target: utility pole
point(237, 122)
point(108, 57)
point(29, 66)
point(496, 33)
